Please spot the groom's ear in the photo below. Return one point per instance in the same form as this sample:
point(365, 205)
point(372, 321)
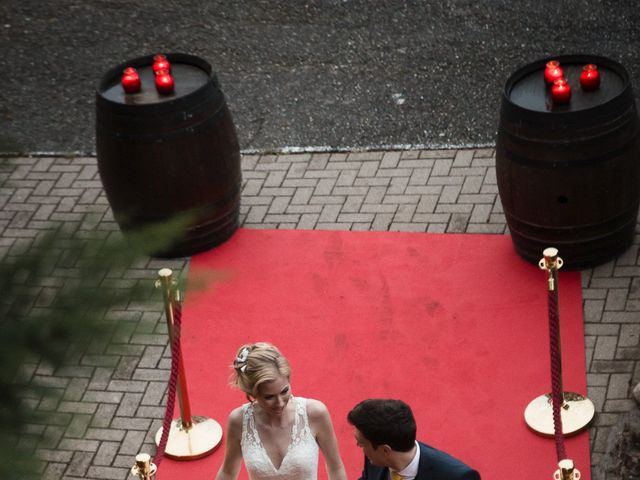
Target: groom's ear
point(386, 449)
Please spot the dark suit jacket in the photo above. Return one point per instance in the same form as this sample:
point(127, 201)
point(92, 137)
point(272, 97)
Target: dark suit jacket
point(434, 465)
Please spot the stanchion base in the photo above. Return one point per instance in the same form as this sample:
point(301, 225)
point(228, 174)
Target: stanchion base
point(576, 413)
point(200, 440)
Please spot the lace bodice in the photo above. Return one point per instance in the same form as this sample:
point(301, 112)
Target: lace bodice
point(301, 460)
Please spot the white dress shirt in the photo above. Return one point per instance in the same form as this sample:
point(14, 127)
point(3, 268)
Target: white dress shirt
point(410, 471)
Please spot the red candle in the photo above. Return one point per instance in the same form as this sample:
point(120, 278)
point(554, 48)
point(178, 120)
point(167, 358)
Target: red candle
point(130, 80)
point(164, 82)
point(552, 72)
point(560, 91)
point(160, 63)
point(589, 78)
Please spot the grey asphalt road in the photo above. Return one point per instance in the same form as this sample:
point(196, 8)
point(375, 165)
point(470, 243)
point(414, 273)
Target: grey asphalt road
point(336, 74)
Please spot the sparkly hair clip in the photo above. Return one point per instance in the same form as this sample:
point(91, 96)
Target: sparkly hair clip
point(241, 359)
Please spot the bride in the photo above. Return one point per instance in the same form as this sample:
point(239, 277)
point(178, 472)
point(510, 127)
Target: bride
point(276, 434)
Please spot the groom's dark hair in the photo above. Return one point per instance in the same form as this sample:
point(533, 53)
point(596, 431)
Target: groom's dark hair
point(385, 422)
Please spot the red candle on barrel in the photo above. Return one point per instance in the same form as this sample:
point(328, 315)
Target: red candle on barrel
point(161, 63)
point(130, 80)
point(589, 78)
point(552, 72)
point(560, 91)
point(164, 82)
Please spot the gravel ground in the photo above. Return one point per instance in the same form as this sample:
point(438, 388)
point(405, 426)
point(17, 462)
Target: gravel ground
point(301, 74)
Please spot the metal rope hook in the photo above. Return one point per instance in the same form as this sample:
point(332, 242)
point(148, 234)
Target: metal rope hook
point(188, 437)
point(551, 262)
point(566, 471)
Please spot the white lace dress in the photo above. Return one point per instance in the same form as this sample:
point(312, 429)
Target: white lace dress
point(301, 460)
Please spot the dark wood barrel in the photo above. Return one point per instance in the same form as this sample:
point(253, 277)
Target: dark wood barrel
point(569, 175)
point(162, 156)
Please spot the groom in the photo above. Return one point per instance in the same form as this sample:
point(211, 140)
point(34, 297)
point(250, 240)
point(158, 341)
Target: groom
point(386, 432)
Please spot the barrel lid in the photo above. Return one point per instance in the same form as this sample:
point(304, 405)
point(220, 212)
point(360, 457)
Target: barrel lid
point(191, 75)
point(526, 91)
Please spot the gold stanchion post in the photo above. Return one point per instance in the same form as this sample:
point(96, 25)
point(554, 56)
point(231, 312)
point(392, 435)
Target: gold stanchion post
point(566, 471)
point(577, 411)
point(190, 437)
point(143, 468)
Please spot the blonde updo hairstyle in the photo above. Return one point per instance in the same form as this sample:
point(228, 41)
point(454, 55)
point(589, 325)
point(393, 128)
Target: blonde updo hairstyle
point(257, 363)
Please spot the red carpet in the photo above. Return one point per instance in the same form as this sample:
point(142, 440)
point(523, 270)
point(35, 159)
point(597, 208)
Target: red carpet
point(456, 325)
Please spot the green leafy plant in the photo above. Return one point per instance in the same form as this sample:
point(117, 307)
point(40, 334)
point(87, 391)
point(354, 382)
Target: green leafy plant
point(54, 300)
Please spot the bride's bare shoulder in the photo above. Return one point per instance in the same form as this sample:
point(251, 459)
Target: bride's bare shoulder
point(316, 410)
point(235, 417)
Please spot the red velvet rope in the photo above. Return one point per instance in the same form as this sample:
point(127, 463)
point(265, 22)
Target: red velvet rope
point(556, 372)
point(173, 381)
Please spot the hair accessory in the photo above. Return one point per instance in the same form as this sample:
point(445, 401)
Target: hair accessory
point(241, 359)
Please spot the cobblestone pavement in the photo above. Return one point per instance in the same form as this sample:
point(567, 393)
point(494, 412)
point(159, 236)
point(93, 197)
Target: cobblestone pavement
point(114, 396)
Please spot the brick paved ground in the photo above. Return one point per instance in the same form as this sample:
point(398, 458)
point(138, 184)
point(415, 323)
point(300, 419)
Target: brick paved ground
point(114, 395)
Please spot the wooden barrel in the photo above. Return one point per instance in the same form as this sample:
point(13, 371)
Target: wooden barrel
point(569, 175)
point(162, 156)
